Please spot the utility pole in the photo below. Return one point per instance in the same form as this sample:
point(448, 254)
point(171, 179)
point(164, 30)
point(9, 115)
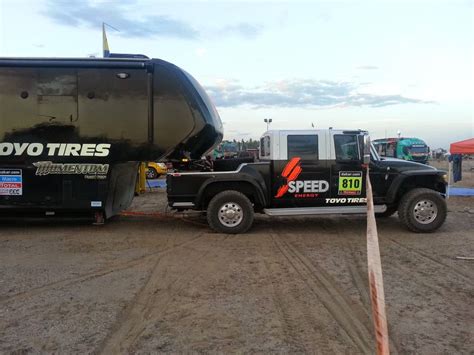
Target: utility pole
point(267, 121)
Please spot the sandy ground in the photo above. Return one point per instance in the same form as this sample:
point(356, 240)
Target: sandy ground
point(143, 284)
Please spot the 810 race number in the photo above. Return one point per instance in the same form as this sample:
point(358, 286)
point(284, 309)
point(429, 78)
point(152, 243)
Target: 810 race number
point(350, 183)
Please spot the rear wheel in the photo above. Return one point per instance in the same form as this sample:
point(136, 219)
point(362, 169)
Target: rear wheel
point(422, 210)
point(230, 212)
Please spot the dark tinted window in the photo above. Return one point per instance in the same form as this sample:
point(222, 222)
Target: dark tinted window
point(303, 146)
point(418, 149)
point(346, 147)
point(265, 146)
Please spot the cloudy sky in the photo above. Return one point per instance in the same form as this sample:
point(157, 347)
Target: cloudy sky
point(378, 65)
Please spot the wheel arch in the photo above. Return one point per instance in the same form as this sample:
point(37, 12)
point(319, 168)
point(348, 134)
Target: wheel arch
point(406, 182)
point(248, 187)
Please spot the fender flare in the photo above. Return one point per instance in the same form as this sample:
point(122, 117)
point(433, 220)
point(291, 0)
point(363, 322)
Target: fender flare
point(400, 180)
point(260, 194)
point(395, 187)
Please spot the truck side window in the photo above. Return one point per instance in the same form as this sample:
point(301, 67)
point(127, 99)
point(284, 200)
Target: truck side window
point(303, 146)
point(265, 146)
point(346, 147)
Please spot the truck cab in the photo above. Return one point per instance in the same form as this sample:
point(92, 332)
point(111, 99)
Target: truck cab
point(312, 172)
point(314, 168)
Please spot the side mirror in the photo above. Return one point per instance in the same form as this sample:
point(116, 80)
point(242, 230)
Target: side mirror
point(366, 158)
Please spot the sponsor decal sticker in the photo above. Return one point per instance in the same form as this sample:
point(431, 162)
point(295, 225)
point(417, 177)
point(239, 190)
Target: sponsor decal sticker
point(90, 171)
point(300, 188)
point(55, 149)
point(337, 200)
point(11, 182)
point(350, 183)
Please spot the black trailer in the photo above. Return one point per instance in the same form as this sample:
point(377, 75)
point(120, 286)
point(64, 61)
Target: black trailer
point(72, 131)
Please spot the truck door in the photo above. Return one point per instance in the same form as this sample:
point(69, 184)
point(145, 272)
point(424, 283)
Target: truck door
point(300, 173)
point(347, 173)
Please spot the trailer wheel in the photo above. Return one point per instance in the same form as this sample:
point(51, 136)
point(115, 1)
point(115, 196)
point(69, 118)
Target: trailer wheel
point(422, 210)
point(230, 212)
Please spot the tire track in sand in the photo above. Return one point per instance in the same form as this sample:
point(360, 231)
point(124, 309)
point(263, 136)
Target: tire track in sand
point(110, 268)
point(151, 301)
point(425, 256)
point(356, 264)
point(325, 289)
point(294, 321)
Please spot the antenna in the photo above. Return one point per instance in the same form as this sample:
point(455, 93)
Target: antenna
point(112, 27)
point(105, 43)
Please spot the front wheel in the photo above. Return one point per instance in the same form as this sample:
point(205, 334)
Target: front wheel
point(230, 212)
point(422, 210)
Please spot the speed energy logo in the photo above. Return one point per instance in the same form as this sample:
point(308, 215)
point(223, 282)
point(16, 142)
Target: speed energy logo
point(291, 171)
point(301, 188)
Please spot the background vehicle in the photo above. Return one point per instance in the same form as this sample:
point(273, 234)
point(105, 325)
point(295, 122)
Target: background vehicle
point(229, 149)
point(313, 172)
point(155, 170)
point(413, 149)
point(73, 131)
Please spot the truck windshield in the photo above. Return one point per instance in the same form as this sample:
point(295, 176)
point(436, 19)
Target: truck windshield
point(373, 151)
point(422, 150)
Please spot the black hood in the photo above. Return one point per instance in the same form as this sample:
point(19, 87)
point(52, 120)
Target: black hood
point(401, 165)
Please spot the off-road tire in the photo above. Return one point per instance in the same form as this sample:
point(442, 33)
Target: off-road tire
point(389, 212)
point(407, 205)
point(229, 197)
point(151, 173)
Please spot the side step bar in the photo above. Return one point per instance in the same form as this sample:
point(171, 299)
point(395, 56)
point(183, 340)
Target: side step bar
point(304, 211)
point(182, 204)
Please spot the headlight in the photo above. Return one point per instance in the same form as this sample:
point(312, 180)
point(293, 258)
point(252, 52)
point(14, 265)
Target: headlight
point(445, 178)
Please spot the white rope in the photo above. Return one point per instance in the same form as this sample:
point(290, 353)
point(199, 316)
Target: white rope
point(377, 295)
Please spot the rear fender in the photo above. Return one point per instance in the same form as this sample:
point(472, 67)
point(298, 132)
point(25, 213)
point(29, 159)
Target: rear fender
point(247, 186)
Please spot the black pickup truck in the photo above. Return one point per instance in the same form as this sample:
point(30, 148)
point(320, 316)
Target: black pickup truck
point(309, 173)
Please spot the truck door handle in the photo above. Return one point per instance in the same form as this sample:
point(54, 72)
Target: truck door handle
point(386, 175)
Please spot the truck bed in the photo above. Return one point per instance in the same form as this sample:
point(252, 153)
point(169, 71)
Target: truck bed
point(185, 190)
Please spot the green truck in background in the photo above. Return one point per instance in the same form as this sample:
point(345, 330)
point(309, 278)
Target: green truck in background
point(413, 149)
